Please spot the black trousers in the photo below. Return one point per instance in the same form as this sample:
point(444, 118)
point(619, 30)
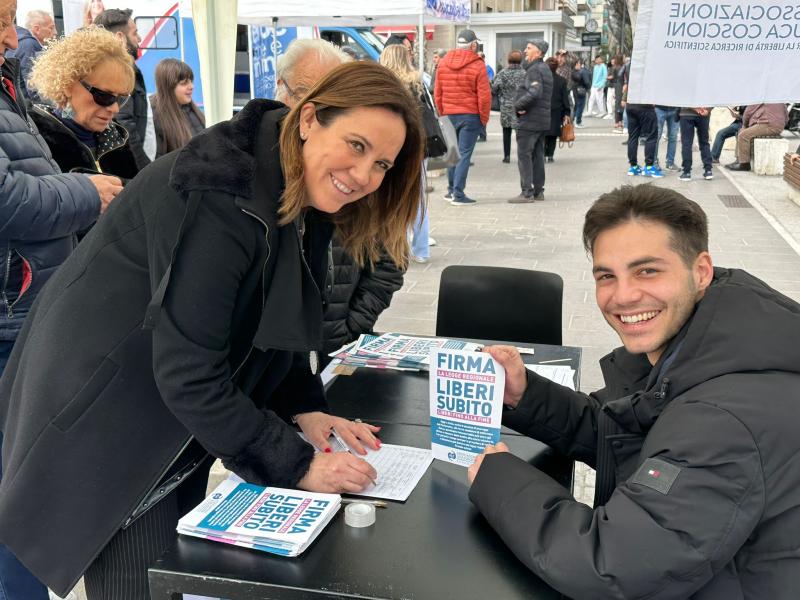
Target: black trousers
point(688, 126)
point(530, 160)
point(642, 122)
point(507, 142)
point(120, 570)
point(550, 143)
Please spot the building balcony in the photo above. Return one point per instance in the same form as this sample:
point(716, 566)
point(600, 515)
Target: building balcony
point(585, 4)
point(569, 6)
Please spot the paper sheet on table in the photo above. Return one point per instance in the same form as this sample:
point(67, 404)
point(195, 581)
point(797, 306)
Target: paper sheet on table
point(560, 374)
point(399, 469)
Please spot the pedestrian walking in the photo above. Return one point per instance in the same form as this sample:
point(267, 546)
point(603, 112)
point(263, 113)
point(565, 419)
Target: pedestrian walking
point(464, 95)
point(597, 97)
point(583, 83)
point(559, 110)
point(504, 87)
point(533, 122)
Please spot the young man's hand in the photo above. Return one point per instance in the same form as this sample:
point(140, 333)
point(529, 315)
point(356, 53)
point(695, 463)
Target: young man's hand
point(472, 471)
point(516, 377)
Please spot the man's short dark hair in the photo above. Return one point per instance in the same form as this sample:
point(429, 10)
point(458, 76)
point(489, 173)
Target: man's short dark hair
point(684, 218)
point(114, 19)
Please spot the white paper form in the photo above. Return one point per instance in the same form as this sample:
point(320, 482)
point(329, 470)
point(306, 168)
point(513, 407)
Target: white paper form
point(561, 374)
point(399, 468)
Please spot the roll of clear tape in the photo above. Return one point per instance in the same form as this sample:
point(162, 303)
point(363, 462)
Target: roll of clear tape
point(359, 514)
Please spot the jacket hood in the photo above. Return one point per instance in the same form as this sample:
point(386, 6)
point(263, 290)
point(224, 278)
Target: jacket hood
point(223, 157)
point(740, 325)
point(458, 59)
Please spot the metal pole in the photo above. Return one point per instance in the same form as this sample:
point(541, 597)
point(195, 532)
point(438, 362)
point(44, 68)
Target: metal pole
point(421, 42)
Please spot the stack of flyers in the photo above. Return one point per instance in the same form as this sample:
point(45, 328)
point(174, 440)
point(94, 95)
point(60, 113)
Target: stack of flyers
point(396, 351)
point(273, 520)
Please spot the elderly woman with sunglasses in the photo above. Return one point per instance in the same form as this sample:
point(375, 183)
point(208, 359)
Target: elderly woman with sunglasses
point(87, 76)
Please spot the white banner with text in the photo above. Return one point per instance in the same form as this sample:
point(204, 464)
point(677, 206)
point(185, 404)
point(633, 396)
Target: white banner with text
point(715, 53)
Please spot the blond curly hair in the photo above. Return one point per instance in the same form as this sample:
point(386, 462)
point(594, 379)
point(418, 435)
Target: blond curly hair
point(70, 59)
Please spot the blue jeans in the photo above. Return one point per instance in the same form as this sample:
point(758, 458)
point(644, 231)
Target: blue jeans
point(668, 116)
point(16, 582)
point(467, 127)
point(419, 233)
point(731, 130)
point(580, 104)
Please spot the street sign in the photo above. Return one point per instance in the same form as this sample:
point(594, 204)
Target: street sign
point(590, 39)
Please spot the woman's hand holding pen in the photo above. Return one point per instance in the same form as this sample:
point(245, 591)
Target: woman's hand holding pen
point(338, 472)
point(318, 427)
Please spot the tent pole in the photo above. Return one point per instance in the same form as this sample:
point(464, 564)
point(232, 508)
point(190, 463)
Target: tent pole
point(421, 42)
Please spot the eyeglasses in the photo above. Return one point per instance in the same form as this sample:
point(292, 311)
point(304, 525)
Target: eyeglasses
point(296, 93)
point(104, 98)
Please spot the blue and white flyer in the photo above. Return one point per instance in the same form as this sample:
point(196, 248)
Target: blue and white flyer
point(466, 404)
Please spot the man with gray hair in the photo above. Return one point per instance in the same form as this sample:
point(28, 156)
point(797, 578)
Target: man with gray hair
point(39, 29)
point(303, 64)
point(532, 103)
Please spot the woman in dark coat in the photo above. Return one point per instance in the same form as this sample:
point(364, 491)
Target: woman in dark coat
point(504, 86)
point(185, 327)
point(88, 76)
point(559, 110)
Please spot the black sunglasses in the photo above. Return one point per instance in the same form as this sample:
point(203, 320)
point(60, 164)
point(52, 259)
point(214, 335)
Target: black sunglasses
point(103, 98)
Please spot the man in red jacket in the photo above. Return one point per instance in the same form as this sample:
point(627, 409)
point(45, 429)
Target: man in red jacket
point(462, 93)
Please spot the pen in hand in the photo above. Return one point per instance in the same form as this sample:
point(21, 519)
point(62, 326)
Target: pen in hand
point(346, 448)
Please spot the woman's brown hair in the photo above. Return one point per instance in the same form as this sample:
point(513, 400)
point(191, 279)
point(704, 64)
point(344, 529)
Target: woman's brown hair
point(380, 220)
point(172, 120)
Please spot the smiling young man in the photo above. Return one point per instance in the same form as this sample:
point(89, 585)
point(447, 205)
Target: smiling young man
point(694, 437)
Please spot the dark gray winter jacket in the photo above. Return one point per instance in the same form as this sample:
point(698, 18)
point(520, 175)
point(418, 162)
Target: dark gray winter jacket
point(532, 100)
point(698, 490)
point(355, 296)
point(41, 209)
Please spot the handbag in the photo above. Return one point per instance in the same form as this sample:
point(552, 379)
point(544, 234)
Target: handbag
point(434, 138)
point(495, 101)
point(567, 134)
point(452, 156)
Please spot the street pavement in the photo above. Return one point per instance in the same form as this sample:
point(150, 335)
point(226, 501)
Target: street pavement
point(752, 225)
point(760, 232)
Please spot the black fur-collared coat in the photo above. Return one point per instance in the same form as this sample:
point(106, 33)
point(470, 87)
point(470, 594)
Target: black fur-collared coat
point(181, 324)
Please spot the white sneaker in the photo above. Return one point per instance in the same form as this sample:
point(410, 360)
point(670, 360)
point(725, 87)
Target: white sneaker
point(608, 117)
point(431, 241)
point(418, 259)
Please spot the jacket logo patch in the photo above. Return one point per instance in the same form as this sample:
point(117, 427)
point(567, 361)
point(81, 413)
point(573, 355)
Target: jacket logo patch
point(657, 474)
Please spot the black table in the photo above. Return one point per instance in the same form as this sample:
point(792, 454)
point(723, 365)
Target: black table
point(434, 546)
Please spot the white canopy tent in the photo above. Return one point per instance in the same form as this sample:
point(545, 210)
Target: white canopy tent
point(215, 26)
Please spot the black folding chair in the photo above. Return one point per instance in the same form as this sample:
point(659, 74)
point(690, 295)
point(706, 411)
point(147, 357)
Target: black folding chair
point(498, 303)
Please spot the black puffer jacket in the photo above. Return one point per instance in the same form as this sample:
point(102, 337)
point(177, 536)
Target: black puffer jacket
point(355, 296)
point(698, 470)
point(41, 210)
point(532, 101)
